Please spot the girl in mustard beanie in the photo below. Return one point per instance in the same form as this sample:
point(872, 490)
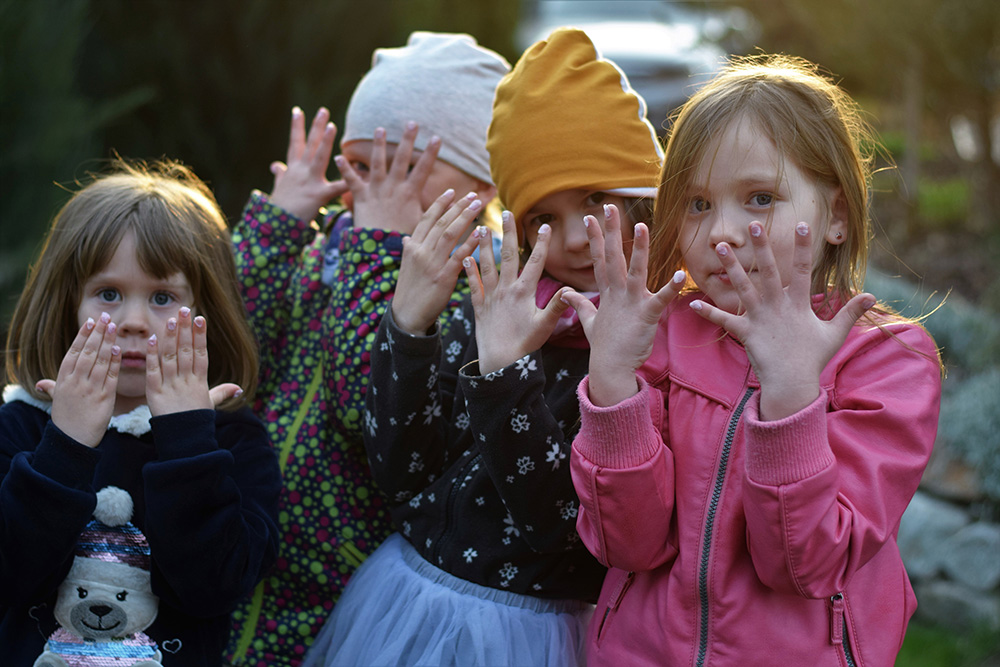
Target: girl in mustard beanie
point(468, 426)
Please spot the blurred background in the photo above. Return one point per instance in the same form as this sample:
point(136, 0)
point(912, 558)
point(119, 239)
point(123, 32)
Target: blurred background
point(212, 84)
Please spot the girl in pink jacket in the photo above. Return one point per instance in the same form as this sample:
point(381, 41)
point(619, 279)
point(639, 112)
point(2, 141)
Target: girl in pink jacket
point(746, 453)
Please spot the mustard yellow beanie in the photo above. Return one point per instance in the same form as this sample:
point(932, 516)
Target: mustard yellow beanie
point(565, 118)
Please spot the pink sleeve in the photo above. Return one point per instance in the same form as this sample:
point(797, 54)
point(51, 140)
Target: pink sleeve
point(825, 488)
point(624, 474)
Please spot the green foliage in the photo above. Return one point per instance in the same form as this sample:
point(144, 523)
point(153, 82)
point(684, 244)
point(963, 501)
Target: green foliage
point(208, 83)
point(943, 204)
point(47, 126)
point(927, 646)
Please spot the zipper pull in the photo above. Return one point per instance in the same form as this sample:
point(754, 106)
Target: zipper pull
point(619, 593)
point(837, 619)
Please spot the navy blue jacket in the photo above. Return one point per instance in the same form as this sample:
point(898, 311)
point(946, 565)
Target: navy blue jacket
point(205, 486)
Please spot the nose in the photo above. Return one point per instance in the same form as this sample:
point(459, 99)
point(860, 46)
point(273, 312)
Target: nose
point(133, 318)
point(575, 236)
point(726, 225)
point(100, 610)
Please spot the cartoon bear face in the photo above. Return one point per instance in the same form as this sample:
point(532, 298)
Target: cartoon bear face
point(100, 601)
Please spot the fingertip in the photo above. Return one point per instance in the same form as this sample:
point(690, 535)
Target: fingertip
point(152, 340)
point(756, 229)
point(199, 322)
point(679, 278)
point(115, 350)
point(697, 304)
point(802, 229)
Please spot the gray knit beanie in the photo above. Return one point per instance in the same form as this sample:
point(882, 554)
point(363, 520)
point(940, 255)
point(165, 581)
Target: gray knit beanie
point(443, 81)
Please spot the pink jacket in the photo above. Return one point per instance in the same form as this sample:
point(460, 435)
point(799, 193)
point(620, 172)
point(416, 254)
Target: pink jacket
point(735, 541)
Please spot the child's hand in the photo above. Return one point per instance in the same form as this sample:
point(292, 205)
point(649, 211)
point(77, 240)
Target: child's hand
point(622, 328)
point(300, 185)
point(431, 263)
point(390, 199)
point(177, 375)
point(786, 342)
point(84, 392)
point(509, 325)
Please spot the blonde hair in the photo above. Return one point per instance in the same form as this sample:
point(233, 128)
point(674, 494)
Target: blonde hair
point(177, 226)
point(811, 121)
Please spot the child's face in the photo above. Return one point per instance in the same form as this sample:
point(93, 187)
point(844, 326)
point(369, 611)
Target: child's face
point(736, 183)
point(442, 176)
point(139, 305)
point(568, 259)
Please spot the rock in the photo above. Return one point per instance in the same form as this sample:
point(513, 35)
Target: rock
point(972, 556)
point(925, 528)
point(958, 607)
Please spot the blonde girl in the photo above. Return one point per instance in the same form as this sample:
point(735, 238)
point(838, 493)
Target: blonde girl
point(746, 485)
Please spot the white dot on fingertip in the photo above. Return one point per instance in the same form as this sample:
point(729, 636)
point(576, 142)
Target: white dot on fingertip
point(802, 229)
point(115, 350)
point(152, 339)
point(696, 305)
point(607, 211)
point(544, 229)
point(680, 277)
point(586, 221)
point(467, 262)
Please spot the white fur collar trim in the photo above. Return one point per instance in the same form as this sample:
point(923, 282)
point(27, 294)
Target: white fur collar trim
point(133, 423)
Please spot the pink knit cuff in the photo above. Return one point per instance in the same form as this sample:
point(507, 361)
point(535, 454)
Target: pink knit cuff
point(619, 436)
point(787, 450)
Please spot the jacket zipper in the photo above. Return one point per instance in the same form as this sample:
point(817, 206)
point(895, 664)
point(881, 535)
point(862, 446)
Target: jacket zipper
point(449, 508)
point(838, 627)
point(706, 550)
point(616, 598)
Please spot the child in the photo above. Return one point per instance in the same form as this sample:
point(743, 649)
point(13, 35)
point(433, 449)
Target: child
point(747, 487)
point(134, 265)
point(487, 568)
point(315, 300)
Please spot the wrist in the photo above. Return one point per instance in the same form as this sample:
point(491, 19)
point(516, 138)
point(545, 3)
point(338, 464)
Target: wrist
point(607, 387)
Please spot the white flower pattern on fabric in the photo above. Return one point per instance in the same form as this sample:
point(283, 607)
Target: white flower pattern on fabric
point(454, 351)
point(469, 554)
point(567, 509)
point(554, 455)
point(519, 422)
point(432, 411)
point(462, 421)
point(370, 423)
point(416, 465)
point(525, 364)
point(508, 572)
point(511, 529)
point(562, 374)
point(525, 465)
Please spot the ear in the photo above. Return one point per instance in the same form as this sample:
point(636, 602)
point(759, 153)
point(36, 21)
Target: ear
point(836, 230)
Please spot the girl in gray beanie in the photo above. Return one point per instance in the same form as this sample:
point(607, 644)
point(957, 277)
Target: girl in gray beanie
point(315, 293)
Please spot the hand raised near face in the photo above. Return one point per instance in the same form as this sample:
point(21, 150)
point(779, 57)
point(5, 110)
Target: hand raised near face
point(788, 345)
point(389, 198)
point(431, 261)
point(622, 327)
point(84, 392)
point(177, 368)
point(300, 184)
point(509, 324)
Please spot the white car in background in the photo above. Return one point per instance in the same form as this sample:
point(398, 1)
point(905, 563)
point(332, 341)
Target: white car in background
point(666, 49)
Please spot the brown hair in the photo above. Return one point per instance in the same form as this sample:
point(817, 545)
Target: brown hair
point(811, 121)
point(177, 226)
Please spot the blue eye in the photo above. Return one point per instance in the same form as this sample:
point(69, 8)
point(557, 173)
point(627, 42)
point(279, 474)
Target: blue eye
point(162, 299)
point(763, 199)
point(699, 205)
point(108, 294)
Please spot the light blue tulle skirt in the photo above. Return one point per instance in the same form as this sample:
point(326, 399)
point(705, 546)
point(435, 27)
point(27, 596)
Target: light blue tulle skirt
point(400, 610)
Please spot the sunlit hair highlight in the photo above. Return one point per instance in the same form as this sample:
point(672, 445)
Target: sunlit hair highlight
point(178, 227)
point(811, 121)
